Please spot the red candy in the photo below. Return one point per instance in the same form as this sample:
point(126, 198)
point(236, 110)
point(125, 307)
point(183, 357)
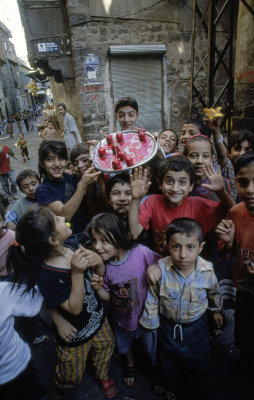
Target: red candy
point(119, 137)
point(129, 161)
point(110, 139)
point(101, 151)
point(121, 154)
point(115, 148)
point(116, 164)
point(142, 136)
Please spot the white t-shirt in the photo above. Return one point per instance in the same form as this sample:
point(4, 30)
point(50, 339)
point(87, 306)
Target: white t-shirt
point(14, 352)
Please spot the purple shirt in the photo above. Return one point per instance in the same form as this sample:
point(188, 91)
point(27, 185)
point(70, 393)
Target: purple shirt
point(126, 281)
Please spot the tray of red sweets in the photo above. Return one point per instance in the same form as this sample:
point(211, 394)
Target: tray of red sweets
point(124, 150)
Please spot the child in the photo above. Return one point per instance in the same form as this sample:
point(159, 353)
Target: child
point(22, 143)
point(50, 133)
point(7, 173)
point(9, 129)
point(27, 181)
point(237, 233)
point(168, 141)
point(64, 281)
point(190, 128)
point(18, 377)
point(63, 193)
point(7, 237)
point(119, 196)
point(176, 178)
point(199, 150)
point(177, 304)
point(125, 285)
point(126, 113)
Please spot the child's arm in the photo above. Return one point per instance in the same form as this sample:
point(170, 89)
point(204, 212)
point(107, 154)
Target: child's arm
point(150, 317)
point(68, 209)
point(74, 304)
point(217, 185)
point(219, 145)
point(153, 274)
point(215, 303)
point(97, 282)
point(225, 231)
point(64, 328)
point(94, 260)
point(16, 158)
point(139, 188)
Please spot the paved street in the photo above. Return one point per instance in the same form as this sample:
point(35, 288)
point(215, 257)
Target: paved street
point(227, 382)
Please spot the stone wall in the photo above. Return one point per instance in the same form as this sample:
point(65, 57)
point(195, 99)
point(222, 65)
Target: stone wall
point(97, 24)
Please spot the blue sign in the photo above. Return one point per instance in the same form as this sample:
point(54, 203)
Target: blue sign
point(48, 47)
point(92, 68)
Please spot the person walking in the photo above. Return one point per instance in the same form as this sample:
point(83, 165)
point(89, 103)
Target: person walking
point(71, 132)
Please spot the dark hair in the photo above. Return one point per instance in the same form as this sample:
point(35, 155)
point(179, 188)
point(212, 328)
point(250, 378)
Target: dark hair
point(177, 164)
point(238, 137)
point(122, 178)
point(202, 128)
point(2, 210)
point(243, 160)
point(171, 130)
point(196, 138)
point(126, 101)
point(33, 231)
point(80, 148)
point(187, 226)
point(62, 105)
point(50, 146)
point(113, 228)
point(27, 173)
point(4, 200)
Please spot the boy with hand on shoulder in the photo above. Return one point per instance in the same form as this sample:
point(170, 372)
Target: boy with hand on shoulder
point(27, 181)
point(176, 177)
point(177, 304)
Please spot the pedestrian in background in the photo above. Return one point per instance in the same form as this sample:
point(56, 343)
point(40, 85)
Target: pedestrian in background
point(71, 132)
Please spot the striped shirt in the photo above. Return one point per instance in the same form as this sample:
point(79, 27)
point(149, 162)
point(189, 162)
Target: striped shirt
point(181, 299)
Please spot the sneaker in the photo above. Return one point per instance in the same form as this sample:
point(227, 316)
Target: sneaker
point(40, 339)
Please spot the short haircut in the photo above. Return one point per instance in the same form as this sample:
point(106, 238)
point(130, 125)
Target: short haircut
point(4, 200)
point(177, 164)
point(78, 149)
point(27, 173)
point(196, 138)
point(238, 137)
point(243, 161)
point(171, 130)
point(202, 128)
point(62, 105)
point(122, 178)
point(2, 210)
point(126, 101)
point(187, 226)
point(51, 146)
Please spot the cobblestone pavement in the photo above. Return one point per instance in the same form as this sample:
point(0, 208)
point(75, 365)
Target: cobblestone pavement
point(227, 382)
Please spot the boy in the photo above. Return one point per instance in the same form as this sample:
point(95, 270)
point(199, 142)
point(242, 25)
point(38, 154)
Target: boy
point(237, 234)
point(27, 181)
point(7, 173)
point(177, 304)
point(126, 113)
point(119, 196)
point(175, 178)
point(190, 128)
point(22, 143)
point(63, 193)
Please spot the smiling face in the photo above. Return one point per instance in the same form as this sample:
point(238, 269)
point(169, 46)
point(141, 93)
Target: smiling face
point(199, 153)
point(239, 149)
point(184, 251)
point(188, 130)
point(80, 164)
point(54, 166)
point(120, 197)
point(28, 186)
point(176, 186)
point(126, 117)
point(245, 186)
point(103, 247)
point(168, 141)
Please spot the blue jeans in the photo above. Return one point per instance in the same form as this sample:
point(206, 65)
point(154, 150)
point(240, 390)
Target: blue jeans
point(4, 179)
point(187, 344)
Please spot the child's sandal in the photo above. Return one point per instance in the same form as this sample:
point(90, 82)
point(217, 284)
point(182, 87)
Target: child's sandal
point(108, 388)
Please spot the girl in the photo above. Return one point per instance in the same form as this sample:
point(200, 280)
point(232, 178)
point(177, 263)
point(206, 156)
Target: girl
point(125, 285)
point(199, 150)
point(168, 141)
point(64, 281)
